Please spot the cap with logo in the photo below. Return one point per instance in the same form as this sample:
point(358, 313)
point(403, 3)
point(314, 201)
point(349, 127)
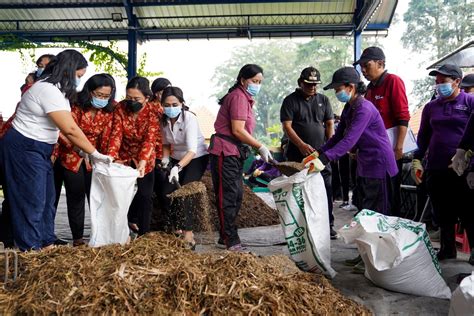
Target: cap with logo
point(467, 81)
point(343, 76)
point(447, 70)
point(370, 53)
point(310, 75)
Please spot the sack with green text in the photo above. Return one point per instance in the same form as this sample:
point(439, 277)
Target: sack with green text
point(397, 253)
point(302, 206)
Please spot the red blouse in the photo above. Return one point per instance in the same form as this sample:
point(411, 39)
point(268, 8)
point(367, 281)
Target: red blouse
point(134, 139)
point(97, 130)
point(159, 143)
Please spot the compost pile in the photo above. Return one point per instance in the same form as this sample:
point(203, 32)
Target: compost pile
point(156, 275)
point(253, 213)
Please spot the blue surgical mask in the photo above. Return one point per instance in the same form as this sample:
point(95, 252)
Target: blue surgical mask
point(77, 82)
point(39, 71)
point(99, 103)
point(172, 111)
point(444, 89)
point(343, 96)
point(253, 88)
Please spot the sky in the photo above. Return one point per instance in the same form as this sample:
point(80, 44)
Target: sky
point(190, 65)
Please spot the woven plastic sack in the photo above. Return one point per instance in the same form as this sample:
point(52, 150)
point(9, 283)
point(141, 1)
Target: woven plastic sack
point(397, 253)
point(462, 301)
point(113, 187)
point(302, 206)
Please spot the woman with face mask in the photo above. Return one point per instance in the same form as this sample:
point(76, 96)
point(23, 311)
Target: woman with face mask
point(360, 130)
point(187, 161)
point(132, 143)
point(443, 123)
point(43, 111)
point(93, 113)
point(234, 126)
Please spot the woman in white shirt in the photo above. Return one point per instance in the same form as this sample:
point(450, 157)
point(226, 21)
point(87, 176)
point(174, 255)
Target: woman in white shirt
point(43, 111)
point(189, 157)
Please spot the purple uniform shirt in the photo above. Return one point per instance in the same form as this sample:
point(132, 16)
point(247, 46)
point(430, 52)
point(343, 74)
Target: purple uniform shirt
point(362, 128)
point(237, 105)
point(441, 129)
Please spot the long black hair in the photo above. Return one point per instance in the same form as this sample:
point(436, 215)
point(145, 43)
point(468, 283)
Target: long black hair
point(96, 81)
point(142, 84)
point(246, 72)
point(159, 84)
point(61, 71)
point(178, 94)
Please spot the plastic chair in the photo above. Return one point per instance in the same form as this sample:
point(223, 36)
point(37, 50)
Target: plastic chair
point(462, 239)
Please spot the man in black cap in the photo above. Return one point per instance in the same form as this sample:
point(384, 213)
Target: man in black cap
point(467, 83)
point(308, 121)
point(387, 92)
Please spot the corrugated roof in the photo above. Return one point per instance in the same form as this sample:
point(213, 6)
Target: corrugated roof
point(93, 19)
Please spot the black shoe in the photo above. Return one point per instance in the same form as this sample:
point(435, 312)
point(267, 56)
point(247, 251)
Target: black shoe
point(60, 242)
point(471, 258)
point(443, 255)
point(332, 233)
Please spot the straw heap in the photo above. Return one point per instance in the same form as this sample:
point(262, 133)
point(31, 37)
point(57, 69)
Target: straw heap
point(155, 274)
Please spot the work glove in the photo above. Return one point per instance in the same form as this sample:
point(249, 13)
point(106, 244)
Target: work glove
point(98, 157)
point(315, 165)
point(460, 161)
point(265, 154)
point(165, 161)
point(416, 171)
point(309, 158)
point(174, 175)
point(470, 179)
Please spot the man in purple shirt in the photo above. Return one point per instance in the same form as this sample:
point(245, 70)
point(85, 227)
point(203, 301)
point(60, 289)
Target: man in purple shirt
point(443, 122)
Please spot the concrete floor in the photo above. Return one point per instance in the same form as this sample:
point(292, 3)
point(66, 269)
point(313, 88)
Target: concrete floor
point(269, 240)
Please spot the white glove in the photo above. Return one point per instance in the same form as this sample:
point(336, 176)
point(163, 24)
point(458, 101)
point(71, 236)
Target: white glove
point(265, 154)
point(460, 161)
point(315, 165)
point(174, 175)
point(98, 157)
point(165, 161)
point(470, 179)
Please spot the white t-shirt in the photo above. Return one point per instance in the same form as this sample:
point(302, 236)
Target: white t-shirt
point(185, 136)
point(32, 118)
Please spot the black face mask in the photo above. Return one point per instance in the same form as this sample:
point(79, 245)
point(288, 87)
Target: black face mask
point(133, 106)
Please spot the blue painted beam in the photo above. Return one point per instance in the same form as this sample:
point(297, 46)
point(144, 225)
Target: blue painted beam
point(357, 47)
point(377, 26)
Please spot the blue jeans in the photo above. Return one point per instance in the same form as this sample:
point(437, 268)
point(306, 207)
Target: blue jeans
point(30, 188)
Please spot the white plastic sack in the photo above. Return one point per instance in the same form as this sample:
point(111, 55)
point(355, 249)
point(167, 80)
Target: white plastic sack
point(462, 302)
point(397, 253)
point(112, 190)
point(302, 205)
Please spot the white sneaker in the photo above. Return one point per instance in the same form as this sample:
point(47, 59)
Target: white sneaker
point(349, 208)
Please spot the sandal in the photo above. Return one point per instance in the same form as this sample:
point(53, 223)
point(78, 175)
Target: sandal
point(191, 245)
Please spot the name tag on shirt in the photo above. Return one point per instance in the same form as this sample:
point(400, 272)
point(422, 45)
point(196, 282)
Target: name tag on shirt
point(461, 107)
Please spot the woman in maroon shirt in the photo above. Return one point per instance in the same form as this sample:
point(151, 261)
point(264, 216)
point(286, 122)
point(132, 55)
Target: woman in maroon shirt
point(234, 126)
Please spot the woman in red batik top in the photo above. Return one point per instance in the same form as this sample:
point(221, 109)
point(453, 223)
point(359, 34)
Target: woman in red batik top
point(93, 113)
point(133, 142)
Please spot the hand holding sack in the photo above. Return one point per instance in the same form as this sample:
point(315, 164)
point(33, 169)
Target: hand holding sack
point(416, 171)
point(460, 161)
point(313, 163)
point(98, 157)
point(165, 161)
point(265, 154)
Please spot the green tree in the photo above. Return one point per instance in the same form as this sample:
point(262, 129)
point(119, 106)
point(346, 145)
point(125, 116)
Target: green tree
point(436, 27)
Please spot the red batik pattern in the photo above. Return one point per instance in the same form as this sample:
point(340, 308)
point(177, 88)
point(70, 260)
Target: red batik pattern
point(97, 130)
point(159, 143)
point(134, 136)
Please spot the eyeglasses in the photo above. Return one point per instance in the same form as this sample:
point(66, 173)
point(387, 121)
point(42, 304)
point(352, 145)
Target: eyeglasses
point(101, 95)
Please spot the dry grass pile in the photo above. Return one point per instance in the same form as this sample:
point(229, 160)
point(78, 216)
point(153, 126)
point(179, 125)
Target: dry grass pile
point(155, 274)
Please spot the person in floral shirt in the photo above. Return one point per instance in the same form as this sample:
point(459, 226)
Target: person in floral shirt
point(93, 113)
point(133, 143)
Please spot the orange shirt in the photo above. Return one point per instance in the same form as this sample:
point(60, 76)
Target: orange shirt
point(97, 130)
point(134, 138)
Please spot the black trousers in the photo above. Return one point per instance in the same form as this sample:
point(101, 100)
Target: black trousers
point(452, 200)
point(228, 187)
point(327, 176)
point(78, 186)
point(142, 203)
point(375, 194)
point(192, 172)
point(336, 181)
point(6, 234)
point(397, 195)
